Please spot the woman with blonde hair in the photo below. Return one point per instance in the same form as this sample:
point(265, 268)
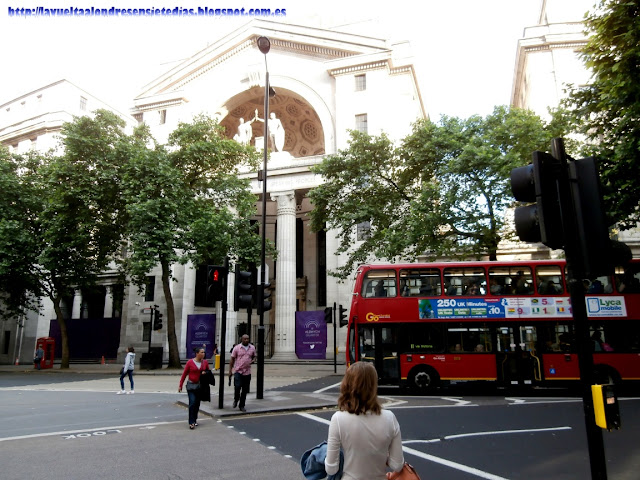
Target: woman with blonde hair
point(368, 435)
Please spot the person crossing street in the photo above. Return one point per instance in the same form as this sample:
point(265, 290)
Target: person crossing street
point(242, 356)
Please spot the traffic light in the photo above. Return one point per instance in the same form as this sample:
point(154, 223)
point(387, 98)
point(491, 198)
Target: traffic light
point(243, 292)
point(597, 252)
point(328, 315)
point(157, 319)
point(215, 284)
point(343, 316)
point(266, 295)
point(539, 182)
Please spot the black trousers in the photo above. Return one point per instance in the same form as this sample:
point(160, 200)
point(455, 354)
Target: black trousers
point(241, 388)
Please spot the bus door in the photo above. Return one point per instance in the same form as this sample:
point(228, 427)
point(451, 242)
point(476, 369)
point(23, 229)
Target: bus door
point(379, 345)
point(518, 362)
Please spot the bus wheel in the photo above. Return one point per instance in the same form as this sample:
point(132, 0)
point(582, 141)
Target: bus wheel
point(606, 375)
point(423, 378)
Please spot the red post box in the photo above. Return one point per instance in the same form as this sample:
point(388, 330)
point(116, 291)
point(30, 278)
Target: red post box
point(49, 346)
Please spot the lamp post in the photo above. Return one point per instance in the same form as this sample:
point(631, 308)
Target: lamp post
point(264, 45)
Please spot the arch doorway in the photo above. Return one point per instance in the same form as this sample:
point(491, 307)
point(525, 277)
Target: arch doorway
point(303, 129)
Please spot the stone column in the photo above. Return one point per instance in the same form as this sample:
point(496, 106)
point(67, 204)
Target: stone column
point(108, 302)
point(285, 301)
point(76, 309)
point(187, 307)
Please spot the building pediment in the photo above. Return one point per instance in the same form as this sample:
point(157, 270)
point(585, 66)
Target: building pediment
point(321, 44)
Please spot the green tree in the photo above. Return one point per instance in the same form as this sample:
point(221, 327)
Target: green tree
point(606, 112)
point(186, 203)
point(67, 218)
point(442, 191)
point(20, 237)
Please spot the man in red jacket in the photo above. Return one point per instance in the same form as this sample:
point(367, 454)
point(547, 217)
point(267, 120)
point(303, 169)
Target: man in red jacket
point(242, 356)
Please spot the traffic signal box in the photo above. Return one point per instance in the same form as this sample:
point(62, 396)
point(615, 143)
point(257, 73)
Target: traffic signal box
point(344, 321)
point(566, 211)
point(216, 291)
point(157, 318)
point(328, 315)
point(605, 406)
point(243, 291)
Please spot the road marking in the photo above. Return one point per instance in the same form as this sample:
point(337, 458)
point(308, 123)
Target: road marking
point(449, 463)
point(457, 466)
point(313, 417)
point(456, 400)
point(502, 432)
point(327, 388)
point(86, 430)
point(525, 401)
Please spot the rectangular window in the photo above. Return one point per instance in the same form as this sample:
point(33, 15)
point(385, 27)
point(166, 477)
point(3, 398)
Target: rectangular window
point(363, 231)
point(379, 283)
point(424, 282)
point(149, 288)
point(361, 123)
point(548, 279)
point(146, 331)
point(511, 280)
point(6, 342)
point(361, 82)
point(83, 103)
point(163, 117)
point(465, 281)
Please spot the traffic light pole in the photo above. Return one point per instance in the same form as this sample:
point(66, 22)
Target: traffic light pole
point(150, 329)
point(260, 380)
point(575, 264)
point(223, 335)
point(335, 344)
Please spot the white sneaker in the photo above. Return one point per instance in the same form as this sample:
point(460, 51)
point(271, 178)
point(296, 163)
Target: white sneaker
point(121, 392)
point(131, 392)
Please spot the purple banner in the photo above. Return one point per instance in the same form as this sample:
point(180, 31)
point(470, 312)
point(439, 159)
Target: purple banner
point(201, 330)
point(311, 335)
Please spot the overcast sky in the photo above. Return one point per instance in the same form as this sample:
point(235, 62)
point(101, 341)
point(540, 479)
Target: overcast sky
point(464, 49)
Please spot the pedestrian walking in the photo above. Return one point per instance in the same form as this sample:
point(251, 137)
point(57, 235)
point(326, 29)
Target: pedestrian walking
point(242, 356)
point(127, 369)
point(193, 370)
point(39, 355)
point(368, 435)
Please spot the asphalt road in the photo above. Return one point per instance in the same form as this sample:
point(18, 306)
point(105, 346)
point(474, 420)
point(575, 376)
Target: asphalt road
point(73, 426)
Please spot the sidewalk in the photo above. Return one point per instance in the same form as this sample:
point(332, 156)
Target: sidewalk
point(281, 376)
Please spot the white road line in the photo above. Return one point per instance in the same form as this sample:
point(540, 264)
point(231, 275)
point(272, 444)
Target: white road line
point(327, 388)
point(502, 432)
point(448, 463)
point(72, 432)
point(457, 466)
point(313, 417)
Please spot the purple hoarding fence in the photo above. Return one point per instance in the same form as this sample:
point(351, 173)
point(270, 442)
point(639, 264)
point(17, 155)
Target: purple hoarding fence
point(311, 335)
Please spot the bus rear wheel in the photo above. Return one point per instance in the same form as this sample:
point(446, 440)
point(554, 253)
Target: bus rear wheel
point(423, 379)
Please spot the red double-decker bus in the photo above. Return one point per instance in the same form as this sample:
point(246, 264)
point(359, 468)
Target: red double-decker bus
point(507, 322)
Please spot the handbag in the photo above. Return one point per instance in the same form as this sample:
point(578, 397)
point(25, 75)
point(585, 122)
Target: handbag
point(408, 473)
point(192, 386)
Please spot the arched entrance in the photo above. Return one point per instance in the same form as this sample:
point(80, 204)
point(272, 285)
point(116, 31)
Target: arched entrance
point(303, 130)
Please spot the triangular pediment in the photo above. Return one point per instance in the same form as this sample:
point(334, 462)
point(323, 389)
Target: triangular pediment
point(325, 45)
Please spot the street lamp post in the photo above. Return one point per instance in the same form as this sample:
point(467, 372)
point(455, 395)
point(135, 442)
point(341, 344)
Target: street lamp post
point(264, 45)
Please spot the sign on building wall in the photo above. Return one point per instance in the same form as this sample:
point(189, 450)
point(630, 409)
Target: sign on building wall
point(311, 335)
point(201, 330)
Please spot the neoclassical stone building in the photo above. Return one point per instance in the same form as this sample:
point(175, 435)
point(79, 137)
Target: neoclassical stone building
point(326, 82)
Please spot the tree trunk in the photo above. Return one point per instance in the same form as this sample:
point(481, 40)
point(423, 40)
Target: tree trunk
point(64, 336)
point(172, 339)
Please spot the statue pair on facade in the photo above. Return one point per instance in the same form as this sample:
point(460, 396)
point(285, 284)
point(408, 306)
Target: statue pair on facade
point(276, 131)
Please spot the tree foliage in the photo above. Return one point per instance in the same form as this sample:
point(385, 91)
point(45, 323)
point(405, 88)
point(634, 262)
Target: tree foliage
point(63, 227)
point(607, 111)
point(443, 190)
point(185, 202)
